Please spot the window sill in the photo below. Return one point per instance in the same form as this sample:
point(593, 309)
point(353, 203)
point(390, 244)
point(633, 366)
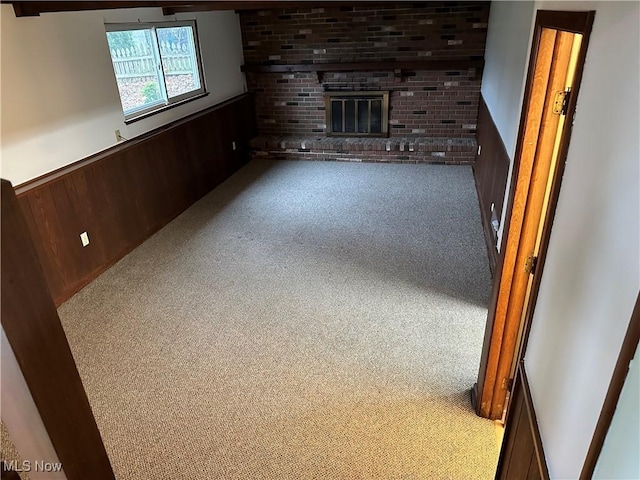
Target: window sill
point(166, 107)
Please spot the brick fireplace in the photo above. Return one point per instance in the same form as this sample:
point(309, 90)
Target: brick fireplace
point(427, 56)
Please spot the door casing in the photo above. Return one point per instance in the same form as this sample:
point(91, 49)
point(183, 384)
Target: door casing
point(574, 22)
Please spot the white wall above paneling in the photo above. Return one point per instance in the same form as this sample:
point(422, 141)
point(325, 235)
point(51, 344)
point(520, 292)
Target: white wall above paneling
point(59, 98)
point(620, 457)
point(592, 272)
point(22, 418)
point(506, 59)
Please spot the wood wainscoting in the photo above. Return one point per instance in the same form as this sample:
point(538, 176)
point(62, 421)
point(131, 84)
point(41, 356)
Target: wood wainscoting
point(125, 194)
point(490, 172)
point(522, 455)
point(32, 326)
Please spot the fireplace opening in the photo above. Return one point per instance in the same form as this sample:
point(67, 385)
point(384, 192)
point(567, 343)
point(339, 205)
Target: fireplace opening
point(357, 114)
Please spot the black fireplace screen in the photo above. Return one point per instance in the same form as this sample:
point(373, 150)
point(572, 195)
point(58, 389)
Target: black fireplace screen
point(357, 113)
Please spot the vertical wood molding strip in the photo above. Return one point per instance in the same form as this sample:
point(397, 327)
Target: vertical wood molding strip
point(33, 329)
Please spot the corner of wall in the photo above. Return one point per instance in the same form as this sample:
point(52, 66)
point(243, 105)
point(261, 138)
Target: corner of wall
point(503, 82)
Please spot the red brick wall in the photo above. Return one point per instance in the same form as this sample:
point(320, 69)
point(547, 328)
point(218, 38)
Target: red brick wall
point(423, 103)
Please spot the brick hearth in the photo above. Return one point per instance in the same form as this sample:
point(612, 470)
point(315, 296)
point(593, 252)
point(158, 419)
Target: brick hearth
point(455, 151)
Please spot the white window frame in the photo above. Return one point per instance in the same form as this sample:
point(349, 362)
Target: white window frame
point(165, 102)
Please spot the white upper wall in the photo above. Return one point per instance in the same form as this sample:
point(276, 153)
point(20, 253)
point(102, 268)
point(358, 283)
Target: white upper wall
point(620, 457)
point(21, 416)
point(592, 274)
point(506, 58)
point(59, 98)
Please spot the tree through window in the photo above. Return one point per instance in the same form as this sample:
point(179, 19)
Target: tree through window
point(155, 64)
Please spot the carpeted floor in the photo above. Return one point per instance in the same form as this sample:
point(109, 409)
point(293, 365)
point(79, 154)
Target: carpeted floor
point(306, 320)
point(8, 452)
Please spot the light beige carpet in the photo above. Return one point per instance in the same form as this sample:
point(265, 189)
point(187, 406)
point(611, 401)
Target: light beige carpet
point(8, 452)
point(306, 320)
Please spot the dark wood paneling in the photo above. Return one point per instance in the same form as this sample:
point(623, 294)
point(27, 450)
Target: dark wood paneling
point(510, 435)
point(9, 475)
point(490, 171)
point(240, 5)
point(33, 329)
point(34, 8)
point(125, 194)
point(170, 7)
point(576, 22)
point(522, 456)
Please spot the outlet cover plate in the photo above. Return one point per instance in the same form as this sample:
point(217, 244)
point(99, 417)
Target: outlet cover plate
point(84, 238)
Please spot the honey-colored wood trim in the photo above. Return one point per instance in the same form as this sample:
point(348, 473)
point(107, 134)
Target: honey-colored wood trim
point(578, 22)
point(536, 191)
point(494, 393)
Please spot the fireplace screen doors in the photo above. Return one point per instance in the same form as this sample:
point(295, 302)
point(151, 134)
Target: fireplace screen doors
point(357, 114)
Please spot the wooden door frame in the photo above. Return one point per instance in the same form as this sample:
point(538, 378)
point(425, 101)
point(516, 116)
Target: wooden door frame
point(34, 331)
point(511, 452)
point(575, 22)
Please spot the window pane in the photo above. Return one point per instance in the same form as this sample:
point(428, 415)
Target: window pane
point(336, 116)
point(134, 63)
point(179, 60)
point(350, 116)
point(363, 116)
point(376, 116)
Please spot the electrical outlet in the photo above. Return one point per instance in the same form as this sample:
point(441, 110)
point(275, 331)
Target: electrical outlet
point(84, 238)
point(233, 145)
point(118, 136)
